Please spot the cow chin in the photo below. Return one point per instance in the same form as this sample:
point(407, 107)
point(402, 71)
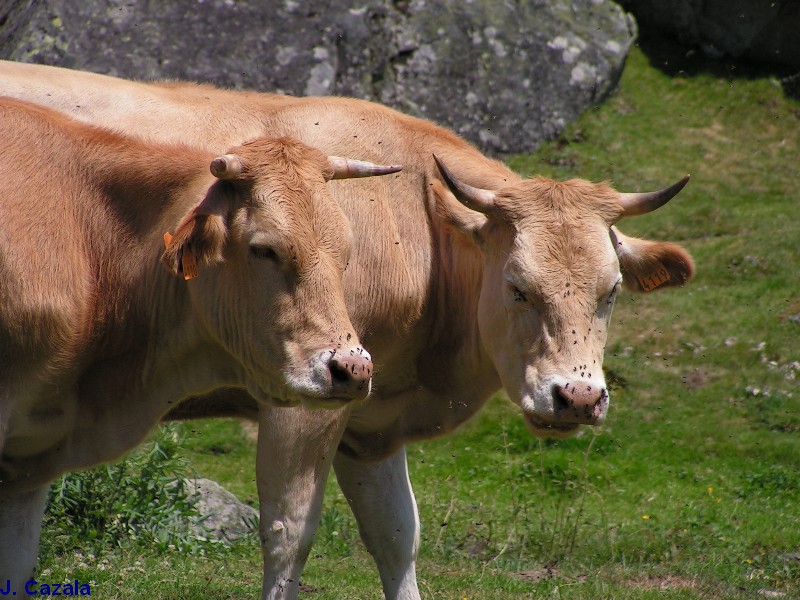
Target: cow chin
point(542, 429)
point(296, 394)
point(271, 395)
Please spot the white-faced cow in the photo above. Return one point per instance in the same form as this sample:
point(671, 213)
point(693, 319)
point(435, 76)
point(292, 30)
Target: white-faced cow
point(98, 340)
point(464, 278)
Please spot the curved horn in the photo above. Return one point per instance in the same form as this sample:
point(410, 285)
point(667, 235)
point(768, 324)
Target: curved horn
point(471, 197)
point(228, 166)
point(644, 202)
point(346, 168)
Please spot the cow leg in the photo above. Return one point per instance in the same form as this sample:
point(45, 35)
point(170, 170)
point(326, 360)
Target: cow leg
point(20, 526)
point(295, 450)
point(382, 501)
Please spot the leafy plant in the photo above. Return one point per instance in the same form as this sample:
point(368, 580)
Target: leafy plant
point(141, 501)
point(335, 535)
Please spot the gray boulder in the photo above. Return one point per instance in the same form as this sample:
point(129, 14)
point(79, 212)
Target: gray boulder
point(506, 75)
point(765, 31)
point(223, 515)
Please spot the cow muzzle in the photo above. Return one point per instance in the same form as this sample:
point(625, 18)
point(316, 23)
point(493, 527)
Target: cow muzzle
point(339, 376)
point(580, 402)
point(560, 406)
point(351, 372)
point(328, 379)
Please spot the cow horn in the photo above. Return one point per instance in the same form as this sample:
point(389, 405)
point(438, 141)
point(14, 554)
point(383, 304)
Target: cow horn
point(228, 166)
point(347, 168)
point(471, 197)
point(644, 202)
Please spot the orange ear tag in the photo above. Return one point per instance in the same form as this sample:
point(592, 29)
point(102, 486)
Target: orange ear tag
point(654, 279)
point(189, 265)
point(188, 262)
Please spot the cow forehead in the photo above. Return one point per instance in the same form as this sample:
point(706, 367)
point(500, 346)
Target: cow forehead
point(550, 201)
point(288, 182)
point(550, 259)
point(301, 215)
point(560, 230)
point(289, 179)
point(546, 263)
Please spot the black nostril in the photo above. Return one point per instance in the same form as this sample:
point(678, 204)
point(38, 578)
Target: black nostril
point(559, 401)
point(338, 372)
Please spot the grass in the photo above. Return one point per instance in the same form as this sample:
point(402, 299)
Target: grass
point(690, 489)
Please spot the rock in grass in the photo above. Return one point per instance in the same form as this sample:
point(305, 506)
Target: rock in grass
point(222, 515)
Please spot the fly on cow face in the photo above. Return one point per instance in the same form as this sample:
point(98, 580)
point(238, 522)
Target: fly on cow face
point(549, 284)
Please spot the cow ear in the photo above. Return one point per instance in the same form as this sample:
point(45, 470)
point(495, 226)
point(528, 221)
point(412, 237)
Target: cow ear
point(647, 265)
point(199, 237)
point(467, 222)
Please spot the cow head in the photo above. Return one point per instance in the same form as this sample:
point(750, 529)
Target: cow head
point(553, 265)
point(265, 251)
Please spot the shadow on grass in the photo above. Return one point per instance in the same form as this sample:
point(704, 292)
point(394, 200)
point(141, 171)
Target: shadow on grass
point(681, 60)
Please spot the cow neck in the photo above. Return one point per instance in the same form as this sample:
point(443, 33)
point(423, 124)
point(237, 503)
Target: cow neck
point(147, 311)
point(461, 365)
point(453, 376)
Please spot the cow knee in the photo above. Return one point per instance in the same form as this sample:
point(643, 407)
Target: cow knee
point(283, 540)
point(274, 536)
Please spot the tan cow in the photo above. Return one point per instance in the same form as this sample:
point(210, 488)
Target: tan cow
point(463, 278)
point(98, 340)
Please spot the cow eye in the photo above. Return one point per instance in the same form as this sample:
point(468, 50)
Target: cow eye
point(265, 252)
point(518, 295)
point(612, 295)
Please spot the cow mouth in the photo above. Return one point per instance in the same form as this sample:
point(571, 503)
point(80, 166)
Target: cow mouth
point(290, 396)
point(541, 428)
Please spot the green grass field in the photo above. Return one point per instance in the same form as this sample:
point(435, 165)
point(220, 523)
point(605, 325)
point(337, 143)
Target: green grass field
point(692, 487)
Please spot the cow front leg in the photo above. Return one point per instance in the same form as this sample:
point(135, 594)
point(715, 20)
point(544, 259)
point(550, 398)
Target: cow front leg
point(20, 526)
point(295, 450)
point(382, 501)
